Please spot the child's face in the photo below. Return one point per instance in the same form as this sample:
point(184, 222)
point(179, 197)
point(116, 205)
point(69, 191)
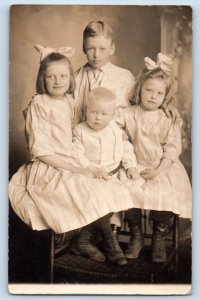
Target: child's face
point(153, 93)
point(99, 114)
point(98, 50)
point(57, 79)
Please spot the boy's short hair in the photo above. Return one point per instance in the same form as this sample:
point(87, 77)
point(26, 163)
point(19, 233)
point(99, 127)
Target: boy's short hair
point(97, 28)
point(53, 57)
point(100, 93)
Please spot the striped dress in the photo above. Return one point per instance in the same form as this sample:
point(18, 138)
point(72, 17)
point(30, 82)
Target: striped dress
point(170, 190)
point(46, 197)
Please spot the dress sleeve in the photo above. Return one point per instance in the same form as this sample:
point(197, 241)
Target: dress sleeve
point(75, 117)
point(80, 93)
point(78, 148)
point(172, 145)
point(131, 85)
point(128, 157)
point(119, 117)
point(38, 130)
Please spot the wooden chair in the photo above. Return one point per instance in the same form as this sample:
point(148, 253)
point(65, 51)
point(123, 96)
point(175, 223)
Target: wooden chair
point(32, 259)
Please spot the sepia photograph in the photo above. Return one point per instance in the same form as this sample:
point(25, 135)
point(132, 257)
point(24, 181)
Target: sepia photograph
point(100, 168)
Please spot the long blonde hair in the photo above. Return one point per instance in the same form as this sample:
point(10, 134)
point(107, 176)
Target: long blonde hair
point(53, 57)
point(156, 73)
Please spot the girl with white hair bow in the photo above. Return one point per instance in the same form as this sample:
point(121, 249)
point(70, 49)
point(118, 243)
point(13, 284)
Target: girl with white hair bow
point(164, 186)
point(51, 191)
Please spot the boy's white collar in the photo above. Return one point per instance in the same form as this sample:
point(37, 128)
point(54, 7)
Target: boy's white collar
point(106, 66)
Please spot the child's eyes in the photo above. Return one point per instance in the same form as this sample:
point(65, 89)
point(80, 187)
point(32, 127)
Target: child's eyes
point(90, 49)
point(53, 76)
point(150, 90)
point(50, 76)
point(94, 49)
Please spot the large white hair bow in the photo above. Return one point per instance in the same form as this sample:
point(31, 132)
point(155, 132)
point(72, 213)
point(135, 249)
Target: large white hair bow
point(45, 51)
point(163, 61)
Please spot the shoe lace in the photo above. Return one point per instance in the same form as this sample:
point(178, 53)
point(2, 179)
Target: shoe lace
point(116, 242)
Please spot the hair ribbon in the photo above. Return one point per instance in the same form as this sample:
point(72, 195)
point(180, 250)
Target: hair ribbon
point(164, 62)
point(45, 51)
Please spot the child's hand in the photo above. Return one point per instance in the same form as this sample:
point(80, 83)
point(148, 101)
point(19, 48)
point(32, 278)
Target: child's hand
point(99, 173)
point(149, 173)
point(132, 173)
point(103, 175)
point(172, 112)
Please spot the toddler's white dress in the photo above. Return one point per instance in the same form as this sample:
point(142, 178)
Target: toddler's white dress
point(171, 189)
point(46, 197)
point(106, 148)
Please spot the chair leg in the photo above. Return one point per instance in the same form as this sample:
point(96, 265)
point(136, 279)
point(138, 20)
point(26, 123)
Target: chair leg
point(176, 240)
point(52, 253)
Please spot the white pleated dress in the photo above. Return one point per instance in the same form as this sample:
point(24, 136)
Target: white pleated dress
point(171, 189)
point(45, 197)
